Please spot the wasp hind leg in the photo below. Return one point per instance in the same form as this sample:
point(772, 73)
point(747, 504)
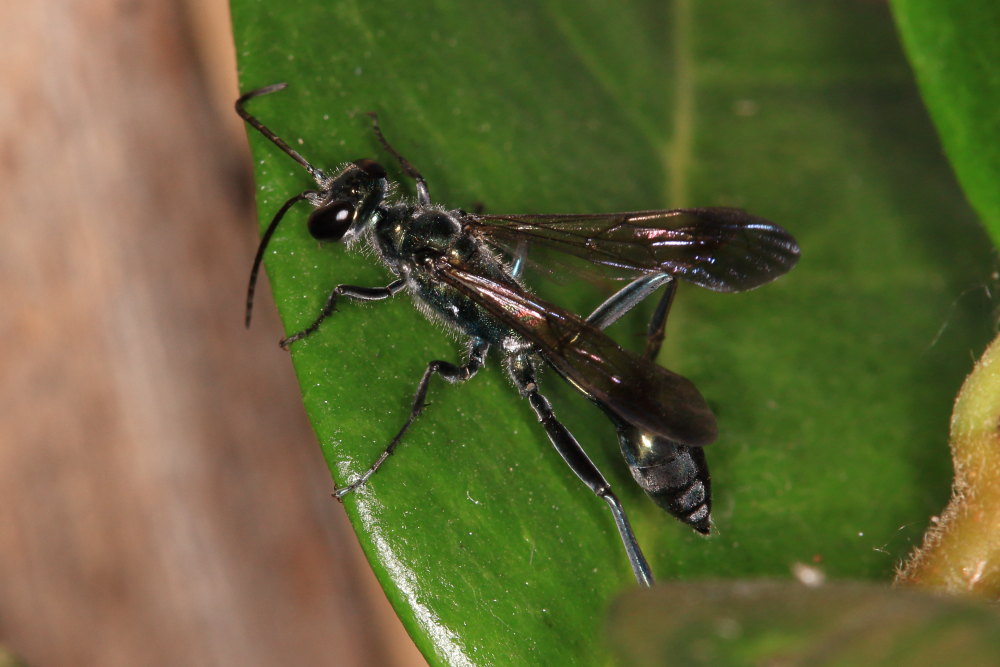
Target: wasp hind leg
point(673, 475)
point(522, 372)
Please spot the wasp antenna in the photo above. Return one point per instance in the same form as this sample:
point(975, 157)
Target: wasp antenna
point(317, 174)
point(423, 194)
point(268, 233)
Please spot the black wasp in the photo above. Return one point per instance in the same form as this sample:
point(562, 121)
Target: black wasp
point(463, 269)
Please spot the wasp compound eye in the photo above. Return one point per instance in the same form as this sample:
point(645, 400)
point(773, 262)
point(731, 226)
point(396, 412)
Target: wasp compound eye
point(331, 221)
point(371, 167)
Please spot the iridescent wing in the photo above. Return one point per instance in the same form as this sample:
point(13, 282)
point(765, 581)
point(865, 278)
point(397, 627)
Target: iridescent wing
point(641, 393)
point(723, 249)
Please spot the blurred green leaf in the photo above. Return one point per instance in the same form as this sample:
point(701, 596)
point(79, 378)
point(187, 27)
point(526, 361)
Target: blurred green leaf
point(9, 659)
point(954, 49)
point(784, 623)
point(832, 386)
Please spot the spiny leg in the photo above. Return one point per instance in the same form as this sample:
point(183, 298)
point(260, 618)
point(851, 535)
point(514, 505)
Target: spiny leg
point(450, 372)
point(521, 371)
point(423, 194)
point(350, 291)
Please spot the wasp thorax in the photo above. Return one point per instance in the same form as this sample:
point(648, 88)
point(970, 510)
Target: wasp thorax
point(436, 230)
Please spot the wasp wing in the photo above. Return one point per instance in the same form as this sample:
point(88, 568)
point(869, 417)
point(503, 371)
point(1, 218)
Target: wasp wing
point(641, 393)
point(723, 249)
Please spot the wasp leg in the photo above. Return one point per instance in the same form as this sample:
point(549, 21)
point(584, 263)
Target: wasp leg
point(630, 296)
point(450, 372)
point(675, 476)
point(522, 372)
point(351, 292)
point(657, 329)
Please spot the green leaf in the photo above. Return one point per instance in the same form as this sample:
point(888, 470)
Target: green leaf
point(954, 49)
point(832, 386)
point(773, 622)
